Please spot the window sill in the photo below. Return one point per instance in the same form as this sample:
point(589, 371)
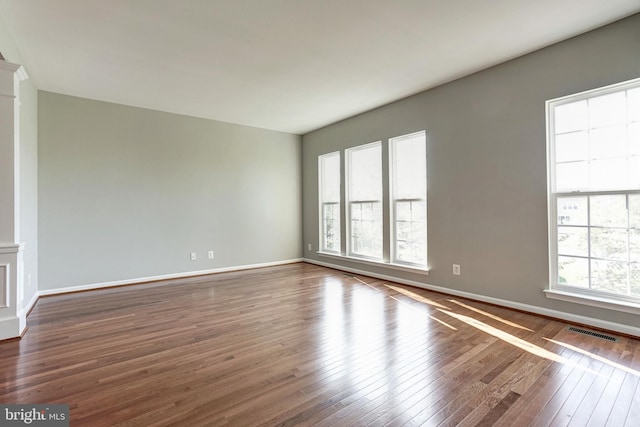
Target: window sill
point(593, 300)
point(400, 267)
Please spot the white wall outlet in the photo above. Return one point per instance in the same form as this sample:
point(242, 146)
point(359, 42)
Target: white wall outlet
point(309, 246)
point(193, 256)
point(456, 269)
point(210, 254)
point(29, 280)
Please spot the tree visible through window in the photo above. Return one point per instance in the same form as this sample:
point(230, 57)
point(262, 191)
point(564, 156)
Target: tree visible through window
point(594, 155)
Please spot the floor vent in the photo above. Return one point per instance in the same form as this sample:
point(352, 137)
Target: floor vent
point(593, 334)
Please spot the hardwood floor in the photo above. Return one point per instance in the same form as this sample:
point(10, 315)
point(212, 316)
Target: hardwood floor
point(305, 345)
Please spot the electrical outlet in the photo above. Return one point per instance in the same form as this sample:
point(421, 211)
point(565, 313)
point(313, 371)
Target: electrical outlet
point(193, 256)
point(456, 269)
point(210, 254)
point(309, 246)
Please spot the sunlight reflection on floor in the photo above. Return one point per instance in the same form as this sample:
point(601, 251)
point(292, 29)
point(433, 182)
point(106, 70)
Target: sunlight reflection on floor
point(491, 330)
point(371, 355)
point(513, 340)
point(489, 315)
point(595, 357)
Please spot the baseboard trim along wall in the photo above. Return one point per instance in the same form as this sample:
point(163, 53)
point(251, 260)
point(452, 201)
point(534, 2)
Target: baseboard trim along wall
point(138, 280)
point(32, 302)
point(574, 318)
point(596, 323)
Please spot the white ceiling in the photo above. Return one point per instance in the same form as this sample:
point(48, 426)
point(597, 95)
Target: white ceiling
point(288, 65)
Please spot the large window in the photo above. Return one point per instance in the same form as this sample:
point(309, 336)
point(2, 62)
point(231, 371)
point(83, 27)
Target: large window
point(408, 160)
point(329, 179)
point(594, 192)
point(384, 209)
point(364, 200)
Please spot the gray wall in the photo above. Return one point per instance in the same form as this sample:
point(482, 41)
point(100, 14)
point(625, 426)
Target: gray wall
point(128, 193)
point(487, 165)
point(28, 168)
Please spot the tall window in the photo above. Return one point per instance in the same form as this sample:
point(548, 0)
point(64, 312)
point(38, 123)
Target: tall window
point(594, 192)
point(329, 167)
point(408, 159)
point(364, 200)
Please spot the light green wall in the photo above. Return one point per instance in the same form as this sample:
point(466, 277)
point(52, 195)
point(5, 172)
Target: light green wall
point(128, 193)
point(487, 165)
point(28, 167)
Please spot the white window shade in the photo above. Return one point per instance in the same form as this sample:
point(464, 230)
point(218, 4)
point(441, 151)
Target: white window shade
point(365, 172)
point(409, 156)
point(330, 177)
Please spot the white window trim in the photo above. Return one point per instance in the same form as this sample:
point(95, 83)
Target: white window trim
point(392, 207)
point(321, 204)
point(595, 300)
point(377, 263)
point(344, 254)
point(585, 296)
point(348, 202)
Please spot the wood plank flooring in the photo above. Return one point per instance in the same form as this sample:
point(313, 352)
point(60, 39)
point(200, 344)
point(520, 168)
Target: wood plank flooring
point(305, 345)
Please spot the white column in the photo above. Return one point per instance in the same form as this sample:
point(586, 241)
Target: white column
point(12, 317)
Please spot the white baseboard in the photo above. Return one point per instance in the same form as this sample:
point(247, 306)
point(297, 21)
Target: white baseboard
point(45, 292)
point(15, 326)
point(34, 299)
point(574, 318)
